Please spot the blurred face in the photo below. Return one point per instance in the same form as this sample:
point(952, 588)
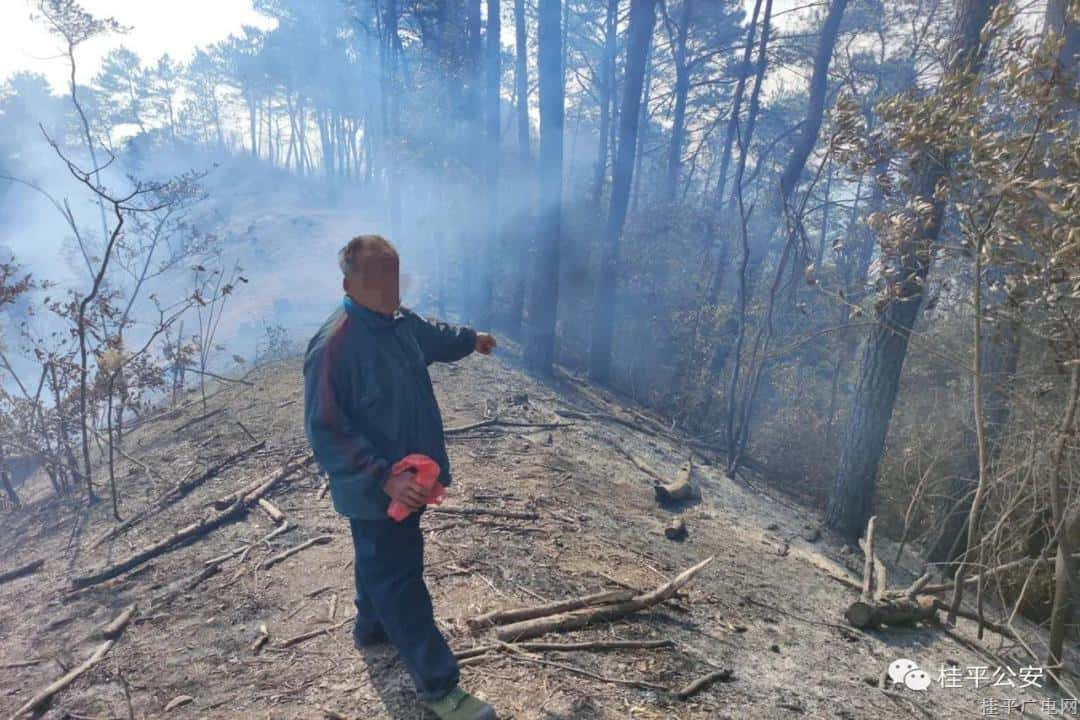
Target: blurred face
point(375, 282)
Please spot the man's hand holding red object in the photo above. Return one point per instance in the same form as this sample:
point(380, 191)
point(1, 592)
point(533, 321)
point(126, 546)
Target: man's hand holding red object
point(404, 488)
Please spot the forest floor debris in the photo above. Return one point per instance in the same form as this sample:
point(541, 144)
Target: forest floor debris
point(550, 507)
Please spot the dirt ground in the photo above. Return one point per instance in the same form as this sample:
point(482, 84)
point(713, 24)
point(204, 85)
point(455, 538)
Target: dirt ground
point(764, 608)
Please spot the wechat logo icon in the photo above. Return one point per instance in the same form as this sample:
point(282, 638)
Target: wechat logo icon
point(905, 672)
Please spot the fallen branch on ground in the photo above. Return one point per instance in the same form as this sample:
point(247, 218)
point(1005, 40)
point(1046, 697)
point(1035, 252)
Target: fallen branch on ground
point(577, 415)
point(40, 699)
point(638, 462)
point(505, 617)
point(198, 419)
point(642, 684)
point(314, 633)
point(583, 618)
point(114, 628)
point(180, 537)
point(514, 514)
point(176, 493)
point(495, 422)
point(237, 509)
point(246, 431)
point(1002, 630)
point(696, 686)
point(239, 381)
point(22, 663)
point(272, 511)
point(280, 530)
point(28, 569)
point(877, 607)
point(917, 587)
point(681, 488)
point(187, 486)
point(901, 611)
point(256, 489)
point(595, 645)
point(261, 639)
point(274, 560)
point(725, 675)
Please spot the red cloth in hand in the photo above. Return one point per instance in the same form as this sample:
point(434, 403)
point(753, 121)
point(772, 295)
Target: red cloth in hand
point(426, 474)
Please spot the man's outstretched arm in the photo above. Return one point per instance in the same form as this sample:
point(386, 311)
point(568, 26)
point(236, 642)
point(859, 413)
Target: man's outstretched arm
point(443, 342)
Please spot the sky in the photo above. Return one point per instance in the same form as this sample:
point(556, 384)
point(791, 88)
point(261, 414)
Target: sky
point(157, 27)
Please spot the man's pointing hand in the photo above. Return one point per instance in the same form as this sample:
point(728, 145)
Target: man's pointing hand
point(484, 343)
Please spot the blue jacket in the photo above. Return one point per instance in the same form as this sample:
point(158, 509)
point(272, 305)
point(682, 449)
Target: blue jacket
point(368, 399)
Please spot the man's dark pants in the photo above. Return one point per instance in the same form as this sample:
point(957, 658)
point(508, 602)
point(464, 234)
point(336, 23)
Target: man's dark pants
point(391, 595)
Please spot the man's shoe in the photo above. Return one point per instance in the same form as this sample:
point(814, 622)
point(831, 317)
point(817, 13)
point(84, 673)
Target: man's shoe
point(460, 705)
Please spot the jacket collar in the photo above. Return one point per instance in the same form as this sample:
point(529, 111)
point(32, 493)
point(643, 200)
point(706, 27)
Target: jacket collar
point(367, 315)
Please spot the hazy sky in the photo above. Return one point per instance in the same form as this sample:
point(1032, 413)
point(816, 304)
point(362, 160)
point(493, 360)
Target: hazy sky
point(157, 27)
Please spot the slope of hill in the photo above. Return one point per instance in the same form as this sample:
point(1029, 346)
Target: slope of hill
point(560, 490)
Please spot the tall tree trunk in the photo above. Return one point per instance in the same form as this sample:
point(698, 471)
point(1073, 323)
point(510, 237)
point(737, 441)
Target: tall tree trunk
point(852, 499)
point(803, 145)
point(475, 153)
point(1064, 565)
point(327, 147)
point(815, 111)
point(520, 248)
point(543, 298)
point(744, 134)
point(492, 77)
point(643, 130)
point(736, 102)
point(682, 88)
point(1059, 21)
point(391, 122)
point(607, 93)
point(642, 18)
point(253, 121)
point(521, 83)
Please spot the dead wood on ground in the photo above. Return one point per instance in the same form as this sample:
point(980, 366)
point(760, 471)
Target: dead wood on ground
point(42, 697)
point(28, 569)
point(199, 419)
point(511, 514)
point(183, 488)
point(682, 488)
point(314, 633)
point(696, 686)
point(234, 511)
point(505, 617)
point(274, 560)
point(589, 616)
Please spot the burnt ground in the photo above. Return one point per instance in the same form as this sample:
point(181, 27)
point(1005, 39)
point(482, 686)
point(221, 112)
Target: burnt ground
point(764, 608)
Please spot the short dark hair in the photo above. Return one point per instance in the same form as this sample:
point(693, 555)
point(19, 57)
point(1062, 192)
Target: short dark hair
point(375, 247)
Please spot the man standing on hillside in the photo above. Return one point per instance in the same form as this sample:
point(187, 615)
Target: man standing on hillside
point(368, 402)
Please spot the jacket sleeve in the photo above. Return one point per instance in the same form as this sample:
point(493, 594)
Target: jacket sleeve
point(346, 455)
point(442, 342)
